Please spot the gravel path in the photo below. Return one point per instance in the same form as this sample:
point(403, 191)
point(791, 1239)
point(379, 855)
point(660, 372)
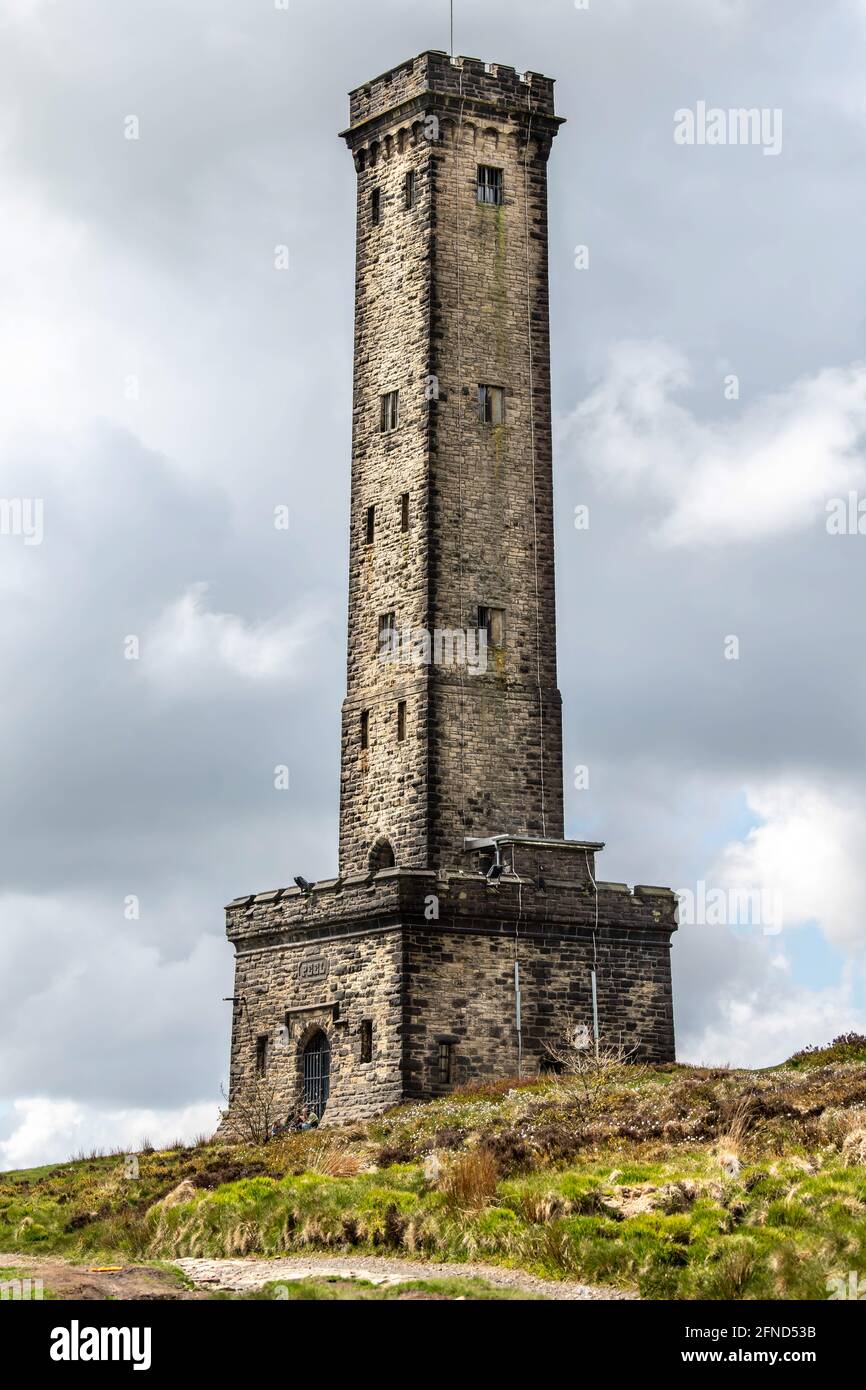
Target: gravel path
point(242, 1275)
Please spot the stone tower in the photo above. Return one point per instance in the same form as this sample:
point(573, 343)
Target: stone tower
point(452, 509)
point(463, 934)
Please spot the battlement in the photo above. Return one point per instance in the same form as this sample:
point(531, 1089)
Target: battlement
point(394, 897)
point(469, 79)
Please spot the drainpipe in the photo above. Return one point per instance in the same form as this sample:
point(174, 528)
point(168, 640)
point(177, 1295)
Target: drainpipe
point(594, 1012)
point(517, 1016)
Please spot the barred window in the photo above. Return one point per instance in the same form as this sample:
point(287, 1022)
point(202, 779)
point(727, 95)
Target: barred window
point(443, 1063)
point(261, 1054)
point(390, 411)
point(410, 189)
point(489, 188)
point(365, 728)
point(492, 621)
point(491, 405)
point(376, 206)
point(371, 526)
point(401, 721)
point(387, 633)
point(404, 512)
point(366, 1040)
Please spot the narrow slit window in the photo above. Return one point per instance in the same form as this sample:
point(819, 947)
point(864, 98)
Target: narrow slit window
point(261, 1054)
point(491, 405)
point(370, 532)
point(376, 206)
point(365, 729)
point(366, 1040)
point(401, 721)
point(404, 512)
point(444, 1063)
point(492, 621)
point(387, 633)
point(389, 411)
point(410, 189)
point(489, 188)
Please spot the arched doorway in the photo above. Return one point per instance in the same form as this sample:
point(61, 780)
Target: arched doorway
point(317, 1072)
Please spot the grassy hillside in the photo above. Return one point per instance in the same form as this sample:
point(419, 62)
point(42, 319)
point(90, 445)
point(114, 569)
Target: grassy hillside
point(681, 1182)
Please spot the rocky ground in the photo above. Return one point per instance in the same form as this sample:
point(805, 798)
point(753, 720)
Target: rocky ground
point(242, 1275)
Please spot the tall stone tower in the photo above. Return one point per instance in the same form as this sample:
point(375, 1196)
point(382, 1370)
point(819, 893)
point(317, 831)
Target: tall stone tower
point(452, 504)
point(464, 935)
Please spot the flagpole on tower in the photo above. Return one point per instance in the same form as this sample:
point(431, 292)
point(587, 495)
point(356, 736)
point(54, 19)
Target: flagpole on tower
point(452, 28)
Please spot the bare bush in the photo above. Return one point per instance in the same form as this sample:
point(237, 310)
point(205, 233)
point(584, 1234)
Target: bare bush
point(590, 1076)
point(250, 1114)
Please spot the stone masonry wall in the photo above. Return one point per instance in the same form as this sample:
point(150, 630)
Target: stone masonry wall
point(332, 986)
point(498, 736)
point(460, 988)
point(383, 789)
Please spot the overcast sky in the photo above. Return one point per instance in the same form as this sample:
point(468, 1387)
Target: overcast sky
point(163, 388)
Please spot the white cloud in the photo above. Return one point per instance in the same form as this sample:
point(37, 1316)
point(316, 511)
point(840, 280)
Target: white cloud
point(768, 470)
point(190, 646)
point(808, 850)
point(761, 1026)
point(47, 1130)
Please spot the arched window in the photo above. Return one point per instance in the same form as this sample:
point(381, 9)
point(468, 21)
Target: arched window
point(382, 856)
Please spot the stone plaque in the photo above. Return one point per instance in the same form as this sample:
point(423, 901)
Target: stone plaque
point(314, 969)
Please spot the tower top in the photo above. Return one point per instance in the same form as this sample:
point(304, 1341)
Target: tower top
point(464, 79)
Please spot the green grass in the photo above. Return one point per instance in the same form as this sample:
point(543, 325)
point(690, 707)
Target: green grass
point(630, 1193)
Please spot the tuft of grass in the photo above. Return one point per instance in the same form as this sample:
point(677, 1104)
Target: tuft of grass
point(469, 1181)
point(332, 1158)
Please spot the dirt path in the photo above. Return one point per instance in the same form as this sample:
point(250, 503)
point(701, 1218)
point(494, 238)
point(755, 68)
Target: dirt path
point(241, 1275)
point(71, 1281)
